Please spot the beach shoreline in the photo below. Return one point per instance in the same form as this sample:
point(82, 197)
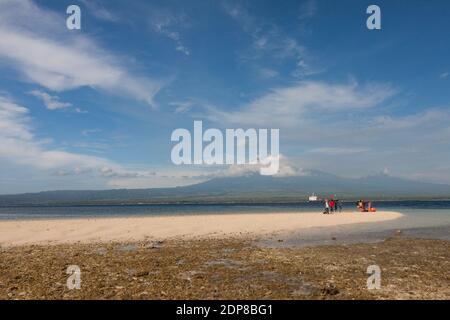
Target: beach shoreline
point(131, 229)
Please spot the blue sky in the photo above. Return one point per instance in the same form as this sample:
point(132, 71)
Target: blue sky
point(94, 108)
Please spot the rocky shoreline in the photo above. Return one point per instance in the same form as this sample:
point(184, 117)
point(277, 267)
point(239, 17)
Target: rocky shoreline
point(230, 268)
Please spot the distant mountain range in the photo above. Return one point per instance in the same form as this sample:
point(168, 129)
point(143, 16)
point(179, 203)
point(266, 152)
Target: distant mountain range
point(250, 188)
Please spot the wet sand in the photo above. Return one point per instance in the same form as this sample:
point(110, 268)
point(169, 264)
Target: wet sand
point(97, 230)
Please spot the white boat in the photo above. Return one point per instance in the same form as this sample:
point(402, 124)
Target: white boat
point(312, 197)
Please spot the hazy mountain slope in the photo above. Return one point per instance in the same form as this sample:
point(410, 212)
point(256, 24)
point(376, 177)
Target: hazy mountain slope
point(252, 187)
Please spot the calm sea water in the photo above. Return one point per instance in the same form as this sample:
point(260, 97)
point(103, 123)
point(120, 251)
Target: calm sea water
point(427, 208)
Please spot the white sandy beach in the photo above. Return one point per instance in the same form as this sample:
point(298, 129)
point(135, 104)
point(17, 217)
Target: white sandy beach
point(21, 232)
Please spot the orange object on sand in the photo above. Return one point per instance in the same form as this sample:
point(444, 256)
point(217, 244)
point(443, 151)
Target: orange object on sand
point(372, 210)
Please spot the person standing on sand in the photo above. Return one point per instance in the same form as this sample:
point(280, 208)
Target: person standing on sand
point(331, 205)
point(362, 206)
point(327, 207)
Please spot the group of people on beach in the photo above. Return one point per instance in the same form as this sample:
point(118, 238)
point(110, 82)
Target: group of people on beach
point(332, 205)
point(364, 206)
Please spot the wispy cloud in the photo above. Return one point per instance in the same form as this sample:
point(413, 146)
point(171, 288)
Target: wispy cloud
point(51, 102)
point(79, 110)
point(321, 122)
point(366, 143)
point(19, 146)
point(307, 10)
point(21, 150)
point(36, 44)
point(271, 44)
point(287, 106)
point(100, 11)
point(166, 24)
point(182, 106)
point(267, 73)
point(388, 123)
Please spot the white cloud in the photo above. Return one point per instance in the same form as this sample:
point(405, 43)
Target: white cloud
point(307, 10)
point(79, 110)
point(182, 106)
point(36, 43)
point(13, 121)
point(19, 146)
point(23, 157)
point(100, 12)
point(444, 75)
point(423, 120)
point(271, 45)
point(51, 102)
point(348, 129)
point(413, 146)
point(164, 24)
point(288, 106)
point(267, 73)
point(286, 168)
